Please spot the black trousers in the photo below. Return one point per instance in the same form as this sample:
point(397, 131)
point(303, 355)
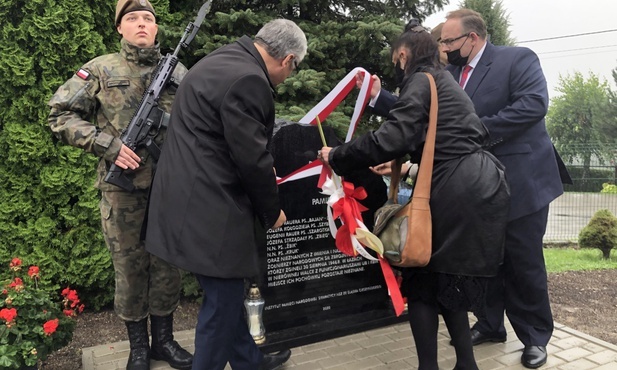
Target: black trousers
point(521, 288)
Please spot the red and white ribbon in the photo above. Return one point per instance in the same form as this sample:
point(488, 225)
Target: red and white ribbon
point(334, 98)
point(323, 110)
point(311, 169)
point(337, 194)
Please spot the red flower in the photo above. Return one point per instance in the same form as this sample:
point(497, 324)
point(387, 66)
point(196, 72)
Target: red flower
point(50, 326)
point(17, 283)
point(33, 271)
point(15, 262)
point(72, 296)
point(8, 314)
point(80, 309)
point(69, 313)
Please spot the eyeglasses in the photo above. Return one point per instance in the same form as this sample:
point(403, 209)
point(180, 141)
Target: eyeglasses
point(449, 42)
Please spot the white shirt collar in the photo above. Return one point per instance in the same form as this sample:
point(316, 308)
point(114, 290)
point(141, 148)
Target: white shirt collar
point(476, 59)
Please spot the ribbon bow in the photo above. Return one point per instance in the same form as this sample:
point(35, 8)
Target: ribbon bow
point(348, 206)
point(353, 236)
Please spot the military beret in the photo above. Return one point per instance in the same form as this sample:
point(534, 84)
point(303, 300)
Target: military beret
point(127, 6)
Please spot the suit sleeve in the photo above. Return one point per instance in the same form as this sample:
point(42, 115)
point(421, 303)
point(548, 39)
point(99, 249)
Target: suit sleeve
point(528, 102)
point(385, 102)
point(245, 113)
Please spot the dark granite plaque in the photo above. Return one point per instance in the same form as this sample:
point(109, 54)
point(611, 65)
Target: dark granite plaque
point(312, 290)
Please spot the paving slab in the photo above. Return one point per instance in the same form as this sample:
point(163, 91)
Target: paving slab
point(393, 348)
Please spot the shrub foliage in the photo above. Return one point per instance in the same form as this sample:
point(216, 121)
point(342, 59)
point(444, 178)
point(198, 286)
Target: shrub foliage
point(609, 188)
point(600, 233)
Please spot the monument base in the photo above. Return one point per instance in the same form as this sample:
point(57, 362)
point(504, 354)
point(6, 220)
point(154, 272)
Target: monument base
point(329, 329)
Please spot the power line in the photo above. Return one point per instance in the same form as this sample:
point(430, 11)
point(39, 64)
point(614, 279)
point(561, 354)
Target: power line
point(566, 36)
point(579, 54)
point(589, 48)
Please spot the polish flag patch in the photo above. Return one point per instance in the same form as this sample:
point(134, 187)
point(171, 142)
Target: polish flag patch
point(83, 74)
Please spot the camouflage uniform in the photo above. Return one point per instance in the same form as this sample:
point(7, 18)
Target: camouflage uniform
point(107, 91)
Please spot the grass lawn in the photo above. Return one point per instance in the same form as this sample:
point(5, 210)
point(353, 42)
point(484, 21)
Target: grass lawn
point(571, 259)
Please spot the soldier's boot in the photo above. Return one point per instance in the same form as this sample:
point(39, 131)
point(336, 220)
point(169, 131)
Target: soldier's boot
point(164, 347)
point(139, 358)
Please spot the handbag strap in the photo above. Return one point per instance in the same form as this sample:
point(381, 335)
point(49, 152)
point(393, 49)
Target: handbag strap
point(422, 187)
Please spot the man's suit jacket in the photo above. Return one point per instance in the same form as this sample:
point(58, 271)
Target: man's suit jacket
point(510, 95)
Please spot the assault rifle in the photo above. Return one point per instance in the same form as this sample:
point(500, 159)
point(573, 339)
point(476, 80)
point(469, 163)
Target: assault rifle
point(149, 117)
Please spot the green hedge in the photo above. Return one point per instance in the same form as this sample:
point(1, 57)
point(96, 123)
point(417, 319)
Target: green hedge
point(48, 207)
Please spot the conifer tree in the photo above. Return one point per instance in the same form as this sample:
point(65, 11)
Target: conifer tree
point(496, 18)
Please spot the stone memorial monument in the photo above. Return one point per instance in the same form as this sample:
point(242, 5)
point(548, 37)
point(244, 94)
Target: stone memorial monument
point(312, 291)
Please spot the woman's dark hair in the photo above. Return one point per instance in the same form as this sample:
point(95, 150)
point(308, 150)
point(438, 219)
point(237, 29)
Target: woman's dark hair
point(423, 48)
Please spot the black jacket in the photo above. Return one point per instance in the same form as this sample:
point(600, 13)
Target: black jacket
point(469, 192)
point(215, 176)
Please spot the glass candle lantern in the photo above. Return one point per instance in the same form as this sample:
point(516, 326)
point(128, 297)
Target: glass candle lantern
point(254, 305)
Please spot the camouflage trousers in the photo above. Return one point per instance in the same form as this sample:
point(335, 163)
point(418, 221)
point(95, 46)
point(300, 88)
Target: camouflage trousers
point(145, 284)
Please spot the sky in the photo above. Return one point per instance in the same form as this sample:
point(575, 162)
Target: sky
point(541, 19)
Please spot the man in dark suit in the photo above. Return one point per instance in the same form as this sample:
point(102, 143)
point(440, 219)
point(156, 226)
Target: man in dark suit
point(509, 92)
point(214, 177)
point(508, 89)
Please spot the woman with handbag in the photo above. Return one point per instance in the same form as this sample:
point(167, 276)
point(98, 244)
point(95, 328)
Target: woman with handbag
point(469, 196)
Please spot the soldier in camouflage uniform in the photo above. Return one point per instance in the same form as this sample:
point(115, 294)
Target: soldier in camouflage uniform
point(107, 91)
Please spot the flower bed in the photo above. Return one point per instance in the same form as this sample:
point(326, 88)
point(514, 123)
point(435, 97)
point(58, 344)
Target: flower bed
point(32, 322)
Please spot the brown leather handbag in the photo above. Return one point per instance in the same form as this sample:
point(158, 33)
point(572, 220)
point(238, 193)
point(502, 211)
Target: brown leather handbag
point(406, 230)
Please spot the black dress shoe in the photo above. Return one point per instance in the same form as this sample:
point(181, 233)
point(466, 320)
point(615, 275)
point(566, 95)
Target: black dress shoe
point(479, 338)
point(273, 361)
point(534, 356)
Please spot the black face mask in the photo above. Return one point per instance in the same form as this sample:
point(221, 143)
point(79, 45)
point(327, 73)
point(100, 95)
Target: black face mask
point(455, 58)
point(399, 74)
